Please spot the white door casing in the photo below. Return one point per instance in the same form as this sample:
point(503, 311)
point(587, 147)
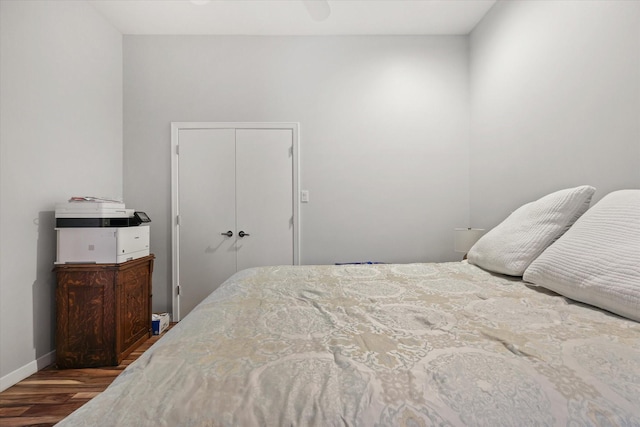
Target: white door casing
point(262, 183)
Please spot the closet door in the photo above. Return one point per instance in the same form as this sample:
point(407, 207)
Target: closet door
point(207, 198)
point(264, 202)
point(235, 204)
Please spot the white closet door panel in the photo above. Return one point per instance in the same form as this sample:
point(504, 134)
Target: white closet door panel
point(206, 191)
point(264, 204)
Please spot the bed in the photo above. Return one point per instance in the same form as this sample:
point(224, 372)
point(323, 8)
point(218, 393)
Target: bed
point(446, 344)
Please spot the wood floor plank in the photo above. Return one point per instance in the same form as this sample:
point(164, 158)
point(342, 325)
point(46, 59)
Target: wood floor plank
point(13, 411)
point(50, 395)
point(34, 399)
point(53, 410)
point(54, 382)
point(46, 421)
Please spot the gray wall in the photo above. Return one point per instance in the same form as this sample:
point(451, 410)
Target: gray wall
point(555, 101)
point(384, 137)
point(60, 135)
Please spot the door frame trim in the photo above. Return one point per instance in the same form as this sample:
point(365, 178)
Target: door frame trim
point(175, 208)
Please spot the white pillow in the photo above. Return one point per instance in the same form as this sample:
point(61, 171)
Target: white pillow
point(598, 260)
point(513, 244)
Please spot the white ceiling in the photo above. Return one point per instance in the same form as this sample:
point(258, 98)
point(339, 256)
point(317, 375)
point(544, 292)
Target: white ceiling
point(291, 17)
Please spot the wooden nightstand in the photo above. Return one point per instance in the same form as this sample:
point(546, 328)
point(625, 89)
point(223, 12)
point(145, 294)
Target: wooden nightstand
point(103, 311)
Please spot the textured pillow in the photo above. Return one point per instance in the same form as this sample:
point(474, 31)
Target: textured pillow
point(598, 260)
point(513, 244)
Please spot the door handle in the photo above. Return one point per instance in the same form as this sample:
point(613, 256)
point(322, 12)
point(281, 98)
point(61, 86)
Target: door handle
point(228, 233)
point(242, 234)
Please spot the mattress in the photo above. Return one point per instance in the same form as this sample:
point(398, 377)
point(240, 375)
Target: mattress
point(391, 345)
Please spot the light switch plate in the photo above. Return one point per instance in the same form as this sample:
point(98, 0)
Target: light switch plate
point(304, 196)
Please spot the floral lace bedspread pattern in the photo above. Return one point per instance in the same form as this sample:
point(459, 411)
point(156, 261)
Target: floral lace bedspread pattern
point(391, 345)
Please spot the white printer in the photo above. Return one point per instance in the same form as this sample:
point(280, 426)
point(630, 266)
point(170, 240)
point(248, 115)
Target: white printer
point(91, 230)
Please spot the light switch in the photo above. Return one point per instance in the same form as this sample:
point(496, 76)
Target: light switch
point(304, 196)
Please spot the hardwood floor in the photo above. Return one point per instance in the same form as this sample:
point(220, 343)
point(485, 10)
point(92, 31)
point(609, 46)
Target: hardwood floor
point(51, 394)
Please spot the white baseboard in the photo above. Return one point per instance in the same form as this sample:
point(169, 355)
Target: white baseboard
point(31, 368)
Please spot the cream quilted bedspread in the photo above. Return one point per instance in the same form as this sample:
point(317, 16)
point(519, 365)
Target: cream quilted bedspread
point(389, 345)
